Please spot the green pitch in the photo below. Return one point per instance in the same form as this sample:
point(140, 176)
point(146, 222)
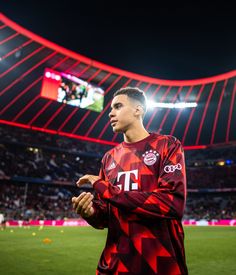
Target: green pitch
point(76, 250)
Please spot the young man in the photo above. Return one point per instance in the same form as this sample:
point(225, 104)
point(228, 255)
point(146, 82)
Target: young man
point(141, 192)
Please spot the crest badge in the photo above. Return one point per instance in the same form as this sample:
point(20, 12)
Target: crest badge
point(150, 157)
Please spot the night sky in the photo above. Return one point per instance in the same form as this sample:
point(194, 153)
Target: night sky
point(167, 42)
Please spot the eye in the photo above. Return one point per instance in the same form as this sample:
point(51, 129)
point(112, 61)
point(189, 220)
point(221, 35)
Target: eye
point(118, 106)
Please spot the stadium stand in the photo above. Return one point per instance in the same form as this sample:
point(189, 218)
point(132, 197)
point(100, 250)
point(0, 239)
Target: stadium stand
point(38, 172)
point(45, 146)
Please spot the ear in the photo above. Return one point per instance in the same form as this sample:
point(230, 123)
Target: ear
point(139, 111)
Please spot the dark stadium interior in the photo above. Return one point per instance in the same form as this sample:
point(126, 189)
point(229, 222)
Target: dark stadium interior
point(25, 56)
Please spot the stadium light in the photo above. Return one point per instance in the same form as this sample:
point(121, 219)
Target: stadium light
point(177, 105)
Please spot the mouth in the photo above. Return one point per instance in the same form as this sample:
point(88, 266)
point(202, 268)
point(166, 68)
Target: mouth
point(113, 122)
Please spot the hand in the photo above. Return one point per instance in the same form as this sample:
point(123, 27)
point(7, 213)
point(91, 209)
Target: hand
point(87, 179)
point(83, 204)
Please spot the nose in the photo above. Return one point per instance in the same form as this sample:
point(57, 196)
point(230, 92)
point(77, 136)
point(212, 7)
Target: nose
point(111, 114)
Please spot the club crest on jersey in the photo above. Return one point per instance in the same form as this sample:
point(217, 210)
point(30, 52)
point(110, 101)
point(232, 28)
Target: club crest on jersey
point(150, 157)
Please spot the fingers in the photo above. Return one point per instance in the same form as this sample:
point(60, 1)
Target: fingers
point(83, 180)
point(88, 209)
point(87, 179)
point(83, 203)
point(73, 199)
point(76, 200)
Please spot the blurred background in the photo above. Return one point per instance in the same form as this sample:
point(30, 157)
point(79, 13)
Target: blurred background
point(60, 65)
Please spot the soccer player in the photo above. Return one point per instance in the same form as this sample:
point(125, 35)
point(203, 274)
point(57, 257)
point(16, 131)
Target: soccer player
point(140, 195)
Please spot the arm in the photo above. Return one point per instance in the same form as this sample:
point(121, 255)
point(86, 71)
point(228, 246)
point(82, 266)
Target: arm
point(99, 219)
point(166, 201)
point(94, 211)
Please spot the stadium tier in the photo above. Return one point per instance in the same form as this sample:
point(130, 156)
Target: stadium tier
point(31, 64)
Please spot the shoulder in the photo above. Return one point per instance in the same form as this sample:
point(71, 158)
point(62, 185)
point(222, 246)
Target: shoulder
point(172, 139)
point(111, 152)
point(173, 145)
point(167, 144)
point(166, 139)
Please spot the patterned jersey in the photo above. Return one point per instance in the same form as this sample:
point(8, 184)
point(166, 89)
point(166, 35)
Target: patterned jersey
point(141, 198)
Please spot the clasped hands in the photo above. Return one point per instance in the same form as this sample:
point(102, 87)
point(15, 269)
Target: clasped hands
point(83, 204)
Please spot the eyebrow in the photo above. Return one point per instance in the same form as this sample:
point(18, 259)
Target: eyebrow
point(116, 104)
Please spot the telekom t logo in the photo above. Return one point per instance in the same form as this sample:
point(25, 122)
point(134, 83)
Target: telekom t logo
point(127, 184)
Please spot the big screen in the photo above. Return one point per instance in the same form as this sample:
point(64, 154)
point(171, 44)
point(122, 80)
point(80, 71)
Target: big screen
point(69, 89)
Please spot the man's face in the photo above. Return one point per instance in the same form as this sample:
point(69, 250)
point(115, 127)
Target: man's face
point(122, 115)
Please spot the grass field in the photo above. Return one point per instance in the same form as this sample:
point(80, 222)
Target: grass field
point(76, 250)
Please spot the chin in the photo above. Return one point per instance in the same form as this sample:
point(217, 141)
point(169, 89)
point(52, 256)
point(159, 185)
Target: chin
point(117, 130)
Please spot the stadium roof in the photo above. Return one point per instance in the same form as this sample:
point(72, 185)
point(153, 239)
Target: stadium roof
point(24, 57)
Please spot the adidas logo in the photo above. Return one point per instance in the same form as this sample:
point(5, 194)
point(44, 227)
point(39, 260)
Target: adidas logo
point(111, 166)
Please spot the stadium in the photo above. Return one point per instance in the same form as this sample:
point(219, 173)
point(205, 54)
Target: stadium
point(54, 105)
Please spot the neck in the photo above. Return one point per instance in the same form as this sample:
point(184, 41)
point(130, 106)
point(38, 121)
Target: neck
point(135, 134)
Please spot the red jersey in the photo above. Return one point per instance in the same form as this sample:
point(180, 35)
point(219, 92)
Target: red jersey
point(141, 199)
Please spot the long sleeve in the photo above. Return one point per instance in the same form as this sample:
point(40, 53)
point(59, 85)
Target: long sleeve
point(167, 200)
point(99, 219)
